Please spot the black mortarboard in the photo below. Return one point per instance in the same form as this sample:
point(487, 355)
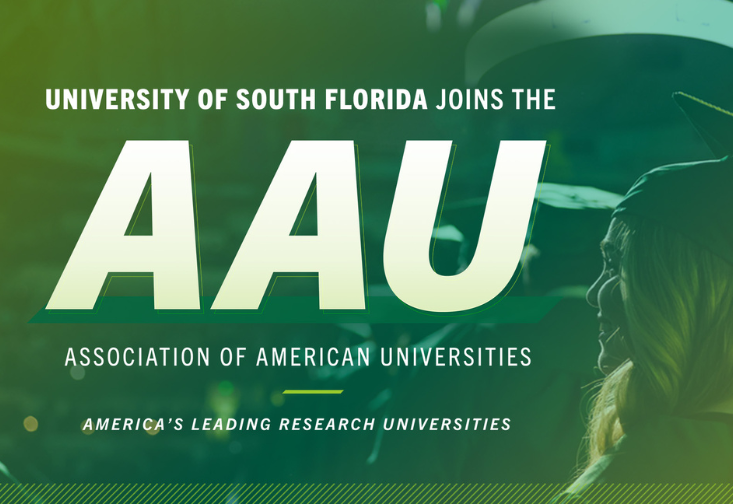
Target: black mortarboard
point(693, 199)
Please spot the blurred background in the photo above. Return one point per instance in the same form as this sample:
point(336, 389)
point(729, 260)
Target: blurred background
point(614, 120)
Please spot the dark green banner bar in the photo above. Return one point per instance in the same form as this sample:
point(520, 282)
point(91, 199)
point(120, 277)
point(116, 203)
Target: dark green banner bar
point(301, 310)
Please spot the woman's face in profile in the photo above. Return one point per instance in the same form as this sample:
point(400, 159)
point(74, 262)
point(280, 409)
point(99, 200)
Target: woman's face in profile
point(605, 294)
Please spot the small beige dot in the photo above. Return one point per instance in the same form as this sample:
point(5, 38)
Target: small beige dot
point(30, 423)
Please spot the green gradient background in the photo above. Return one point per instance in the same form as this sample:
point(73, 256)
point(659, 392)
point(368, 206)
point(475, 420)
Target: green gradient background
point(614, 120)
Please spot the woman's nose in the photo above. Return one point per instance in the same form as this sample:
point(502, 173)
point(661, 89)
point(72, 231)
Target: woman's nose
point(591, 296)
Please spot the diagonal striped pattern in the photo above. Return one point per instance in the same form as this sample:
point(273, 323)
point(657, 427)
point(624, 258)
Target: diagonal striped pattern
point(651, 494)
point(358, 494)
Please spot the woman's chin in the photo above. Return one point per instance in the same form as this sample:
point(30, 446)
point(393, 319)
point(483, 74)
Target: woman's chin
point(608, 363)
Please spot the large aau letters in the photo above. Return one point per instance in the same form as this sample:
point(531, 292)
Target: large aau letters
point(268, 248)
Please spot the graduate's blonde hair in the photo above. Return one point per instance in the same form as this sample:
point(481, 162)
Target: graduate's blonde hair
point(678, 300)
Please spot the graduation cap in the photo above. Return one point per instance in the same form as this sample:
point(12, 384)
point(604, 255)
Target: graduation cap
point(570, 197)
point(693, 199)
point(714, 124)
point(576, 197)
point(573, 218)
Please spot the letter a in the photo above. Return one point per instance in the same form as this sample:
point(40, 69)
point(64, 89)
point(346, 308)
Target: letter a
point(335, 253)
point(169, 253)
